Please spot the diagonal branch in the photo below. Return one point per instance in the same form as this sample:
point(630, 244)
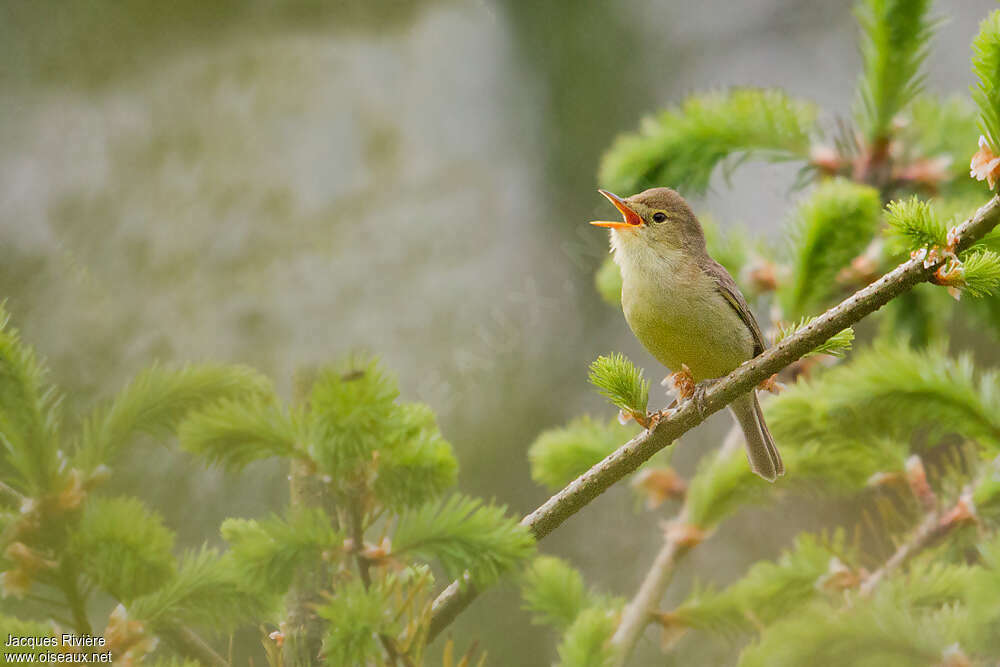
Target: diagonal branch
point(934, 526)
point(637, 451)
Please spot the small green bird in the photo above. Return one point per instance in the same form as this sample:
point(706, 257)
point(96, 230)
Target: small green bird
point(685, 308)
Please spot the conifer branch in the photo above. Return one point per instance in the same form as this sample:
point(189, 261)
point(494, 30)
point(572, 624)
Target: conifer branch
point(634, 453)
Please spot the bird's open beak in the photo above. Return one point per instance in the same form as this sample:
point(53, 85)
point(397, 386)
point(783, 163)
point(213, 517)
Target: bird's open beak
point(630, 220)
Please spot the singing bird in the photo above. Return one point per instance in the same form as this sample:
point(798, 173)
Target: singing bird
point(685, 308)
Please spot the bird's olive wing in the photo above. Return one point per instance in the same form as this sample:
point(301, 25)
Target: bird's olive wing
point(728, 289)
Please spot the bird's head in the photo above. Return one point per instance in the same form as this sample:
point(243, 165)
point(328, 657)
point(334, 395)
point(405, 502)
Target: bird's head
point(657, 218)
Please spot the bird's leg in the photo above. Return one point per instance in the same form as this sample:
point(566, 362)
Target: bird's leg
point(699, 394)
point(651, 420)
point(682, 385)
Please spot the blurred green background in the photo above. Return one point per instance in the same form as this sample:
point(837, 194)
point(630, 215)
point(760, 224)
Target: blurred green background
point(278, 183)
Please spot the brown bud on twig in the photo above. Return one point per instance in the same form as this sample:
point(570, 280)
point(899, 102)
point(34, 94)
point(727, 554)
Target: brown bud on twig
point(377, 553)
point(127, 639)
point(685, 535)
point(838, 578)
point(673, 629)
point(927, 172)
point(73, 492)
point(659, 485)
point(826, 159)
point(884, 479)
point(953, 656)
point(863, 269)
point(964, 511)
point(952, 240)
point(985, 164)
point(28, 558)
point(762, 276)
point(15, 583)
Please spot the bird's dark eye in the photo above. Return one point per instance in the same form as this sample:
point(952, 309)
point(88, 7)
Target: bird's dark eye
point(659, 217)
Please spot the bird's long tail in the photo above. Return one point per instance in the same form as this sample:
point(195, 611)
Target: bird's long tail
point(761, 451)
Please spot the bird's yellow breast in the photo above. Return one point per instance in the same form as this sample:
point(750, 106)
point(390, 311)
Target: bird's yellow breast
point(678, 314)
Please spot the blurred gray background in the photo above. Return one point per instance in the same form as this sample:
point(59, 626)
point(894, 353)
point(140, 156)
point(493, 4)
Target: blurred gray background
point(279, 183)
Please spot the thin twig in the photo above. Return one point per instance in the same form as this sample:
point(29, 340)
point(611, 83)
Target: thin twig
point(578, 493)
point(935, 525)
point(364, 571)
point(676, 545)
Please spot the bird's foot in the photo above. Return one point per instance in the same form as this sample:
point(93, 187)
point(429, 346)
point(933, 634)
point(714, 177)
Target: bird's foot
point(699, 395)
point(681, 384)
point(772, 385)
point(654, 418)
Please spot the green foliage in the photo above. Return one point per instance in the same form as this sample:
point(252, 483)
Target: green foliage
point(920, 316)
point(723, 483)
point(837, 345)
point(981, 273)
point(766, 593)
point(123, 547)
point(840, 463)
point(15, 627)
point(560, 455)
point(989, 549)
point(869, 633)
point(29, 415)
point(891, 391)
point(929, 584)
point(353, 405)
point(986, 67)
point(843, 463)
point(608, 281)
point(619, 381)
point(895, 36)
point(554, 592)
point(985, 314)
point(419, 464)
point(586, 642)
point(354, 412)
point(832, 227)
point(944, 130)
point(234, 432)
point(912, 224)
point(463, 534)
point(157, 400)
point(357, 616)
point(268, 552)
point(681, 147)
point(986, 497)
point(206, 591)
